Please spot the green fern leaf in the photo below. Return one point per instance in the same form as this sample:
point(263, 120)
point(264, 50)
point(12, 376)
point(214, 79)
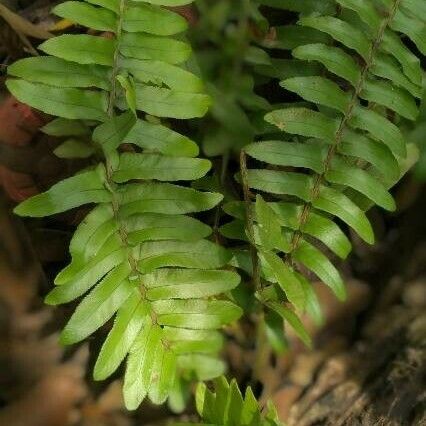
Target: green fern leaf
point(66, 103)
point(291, 154)
point(81, 48)
point(333, 58)
point(89, 16)
point(351, 37)
point(60, 73)
point(84, 188)
point(293, 320)
point(286, 279)
point(66, 127)
point(146, 46)
point(288, 214)
point(153, 20)
point(319, 90)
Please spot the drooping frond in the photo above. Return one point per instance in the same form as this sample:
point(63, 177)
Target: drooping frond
point(139, 255)
point(339, 151)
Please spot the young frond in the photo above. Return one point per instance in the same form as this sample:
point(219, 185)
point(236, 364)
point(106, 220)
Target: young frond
point(227, 406)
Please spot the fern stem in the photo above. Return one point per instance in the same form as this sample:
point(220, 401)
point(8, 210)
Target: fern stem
point(250, 220)
point(114, 73)
point(218, 212)
point(320, 178)
point(262, 353)
point(108, 161)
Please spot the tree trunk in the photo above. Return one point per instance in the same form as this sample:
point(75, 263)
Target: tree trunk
point(381, 380)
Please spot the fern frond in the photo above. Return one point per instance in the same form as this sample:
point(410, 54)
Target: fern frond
point(227, 406)
point(346, 150)
point(137, 255)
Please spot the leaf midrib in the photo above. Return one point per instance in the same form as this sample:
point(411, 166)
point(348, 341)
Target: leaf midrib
point(109, 169)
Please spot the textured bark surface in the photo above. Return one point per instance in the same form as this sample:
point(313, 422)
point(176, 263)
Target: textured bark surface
point(382, 379)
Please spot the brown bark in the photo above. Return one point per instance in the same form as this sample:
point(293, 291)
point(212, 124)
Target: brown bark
point(381, 380)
